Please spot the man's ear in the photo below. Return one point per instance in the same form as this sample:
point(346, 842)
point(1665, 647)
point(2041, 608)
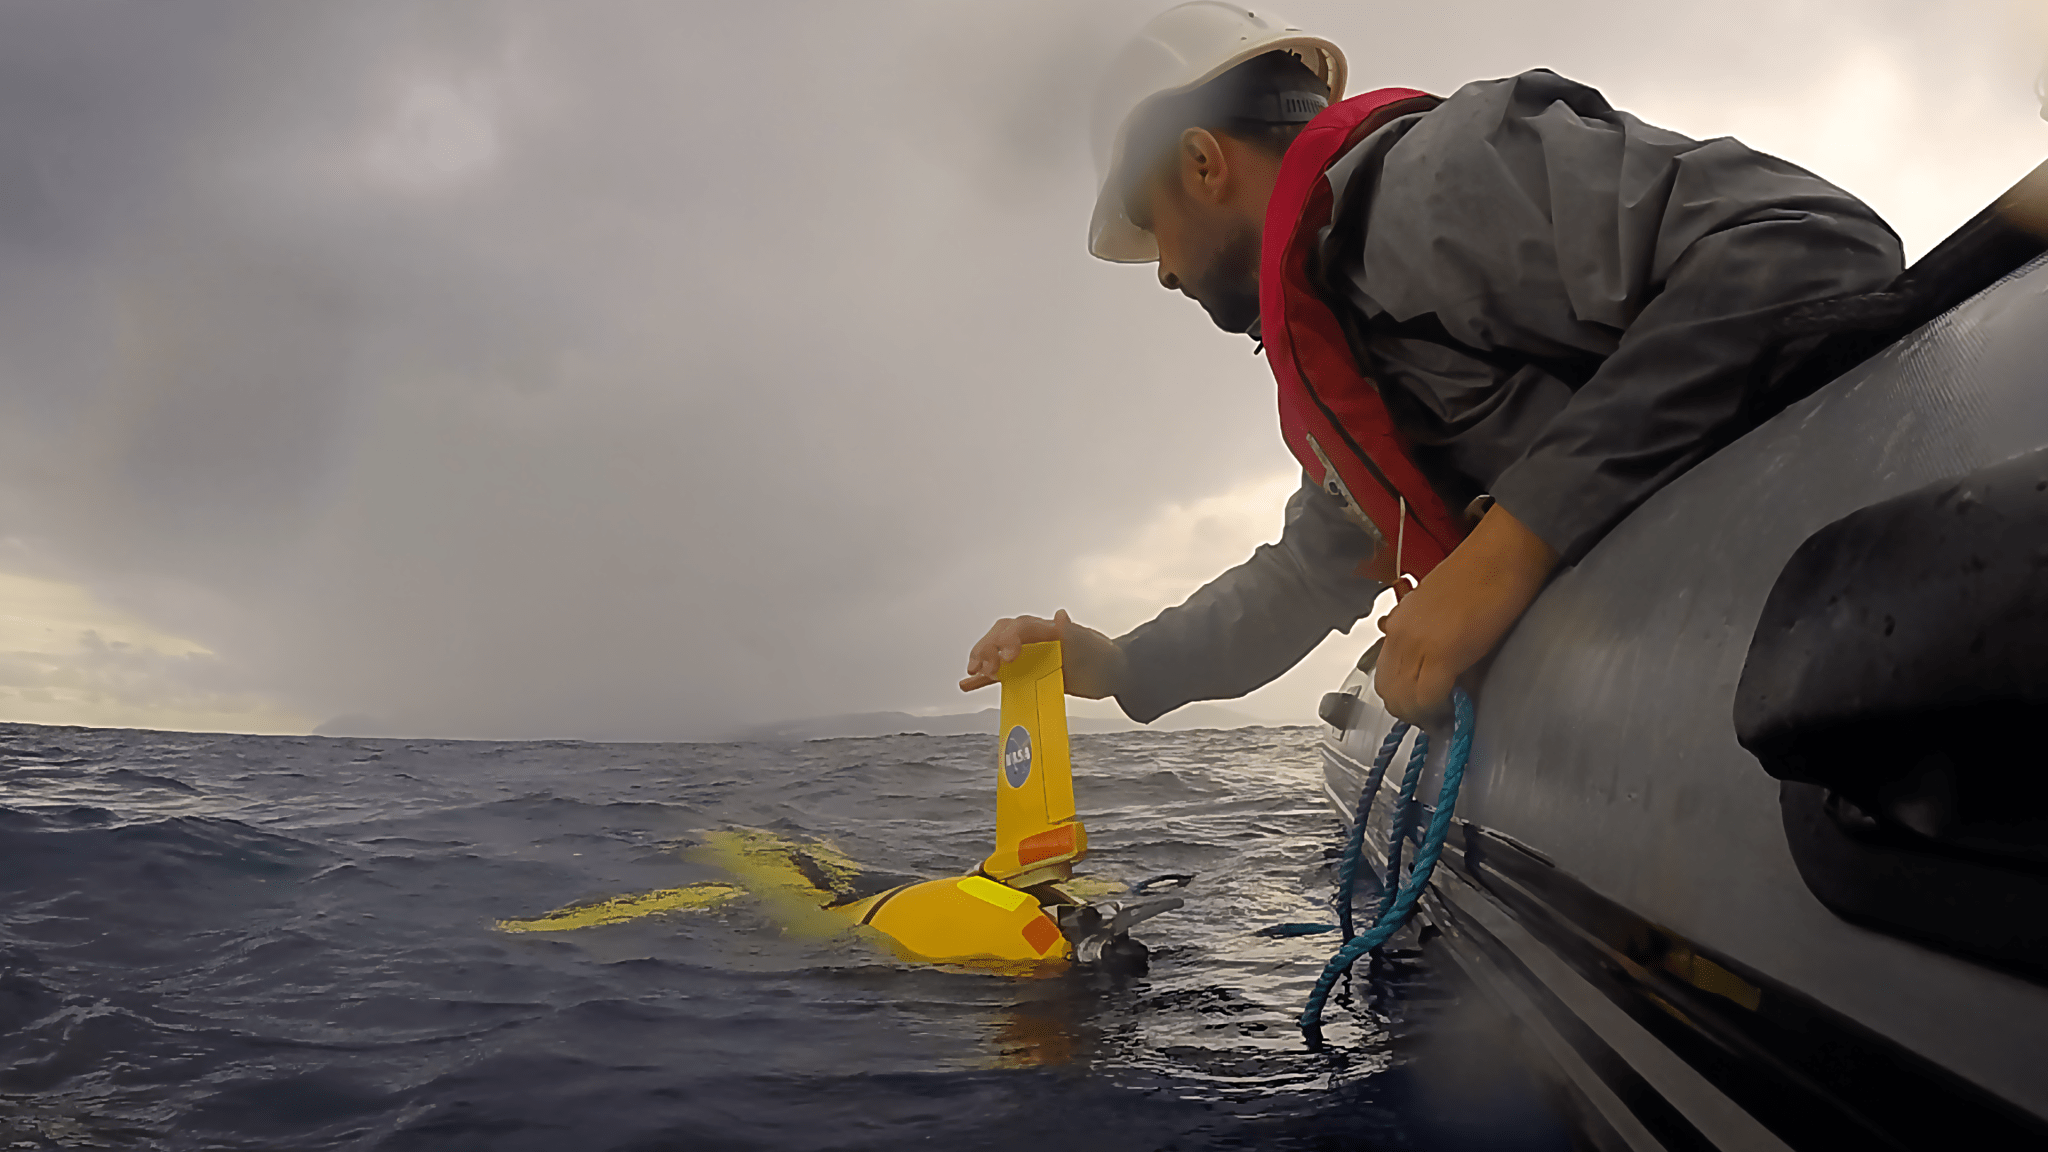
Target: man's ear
point(1204, 171)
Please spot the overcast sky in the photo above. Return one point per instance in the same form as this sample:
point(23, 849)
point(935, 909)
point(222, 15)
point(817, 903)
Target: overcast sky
point(642, 370)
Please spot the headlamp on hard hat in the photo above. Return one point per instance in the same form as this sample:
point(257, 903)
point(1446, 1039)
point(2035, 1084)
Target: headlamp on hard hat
point(1265, 93)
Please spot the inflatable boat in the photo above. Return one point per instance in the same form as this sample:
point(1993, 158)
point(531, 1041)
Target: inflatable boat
point(1752, 845)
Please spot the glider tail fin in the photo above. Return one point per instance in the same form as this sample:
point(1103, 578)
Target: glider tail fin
point(1037, 837)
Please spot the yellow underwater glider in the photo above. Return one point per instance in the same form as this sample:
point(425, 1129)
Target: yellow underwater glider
point(1021, 907)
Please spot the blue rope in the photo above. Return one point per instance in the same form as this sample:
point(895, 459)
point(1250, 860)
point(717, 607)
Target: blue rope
point(1400, 896)
point(1347, 869)
point(1402, 829)
point(1354, 847)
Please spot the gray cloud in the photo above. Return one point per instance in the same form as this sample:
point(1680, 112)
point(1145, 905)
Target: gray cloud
point(638, 370)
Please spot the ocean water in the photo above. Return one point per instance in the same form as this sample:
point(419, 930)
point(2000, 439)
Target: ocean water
point(229, 942)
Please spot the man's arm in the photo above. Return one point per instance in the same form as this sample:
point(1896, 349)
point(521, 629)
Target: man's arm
point(1527, 217)
point(1530, 217)
point(1255, 621)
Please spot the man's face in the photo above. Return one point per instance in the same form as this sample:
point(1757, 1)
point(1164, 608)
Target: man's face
point(1208, 249)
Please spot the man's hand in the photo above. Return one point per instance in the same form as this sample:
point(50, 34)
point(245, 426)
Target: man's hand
point(1093, 665)
point(1455, 616)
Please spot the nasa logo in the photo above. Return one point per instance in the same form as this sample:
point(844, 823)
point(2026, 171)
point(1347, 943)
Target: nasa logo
point(1017, 756)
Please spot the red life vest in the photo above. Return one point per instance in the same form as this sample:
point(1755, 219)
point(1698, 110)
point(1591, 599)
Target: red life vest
point(1331, 414)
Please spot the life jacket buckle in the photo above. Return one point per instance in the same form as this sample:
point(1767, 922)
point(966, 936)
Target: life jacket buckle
point(1332, 483)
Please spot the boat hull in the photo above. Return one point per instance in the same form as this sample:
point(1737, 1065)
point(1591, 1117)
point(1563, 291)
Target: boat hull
point(1620, 878)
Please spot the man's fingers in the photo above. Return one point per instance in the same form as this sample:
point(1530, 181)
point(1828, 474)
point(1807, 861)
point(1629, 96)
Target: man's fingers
point(1005, 642)
point(1419, 694)
point(1430, 696)
point(1396, 696)
point(1396, 666)
point(1396, 676)
point(980, 659)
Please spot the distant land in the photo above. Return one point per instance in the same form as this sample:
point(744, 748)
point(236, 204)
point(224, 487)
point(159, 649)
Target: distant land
point(968, 723)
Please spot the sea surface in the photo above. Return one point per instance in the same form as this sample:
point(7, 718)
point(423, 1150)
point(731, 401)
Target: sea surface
point(248, 942)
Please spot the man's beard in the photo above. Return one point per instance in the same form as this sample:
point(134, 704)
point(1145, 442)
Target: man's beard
point(1229, 287)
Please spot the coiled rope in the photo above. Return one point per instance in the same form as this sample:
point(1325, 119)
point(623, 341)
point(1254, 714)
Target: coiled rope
point(1398, 897)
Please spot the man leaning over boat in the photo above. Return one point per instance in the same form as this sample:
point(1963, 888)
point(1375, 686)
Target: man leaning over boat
point(1498, 321)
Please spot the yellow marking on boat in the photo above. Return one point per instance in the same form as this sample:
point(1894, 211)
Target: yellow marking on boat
point(983, 888)
point(970, 920)
point(619, 909)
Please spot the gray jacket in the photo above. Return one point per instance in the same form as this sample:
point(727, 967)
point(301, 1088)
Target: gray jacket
point(1563, 307)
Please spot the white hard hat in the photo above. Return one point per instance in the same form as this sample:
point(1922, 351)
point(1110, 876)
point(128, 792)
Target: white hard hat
point(1180, 49)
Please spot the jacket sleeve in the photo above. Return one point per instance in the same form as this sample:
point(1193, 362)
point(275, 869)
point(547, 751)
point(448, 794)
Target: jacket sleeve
point(1257, 620)
point(1530, 217)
